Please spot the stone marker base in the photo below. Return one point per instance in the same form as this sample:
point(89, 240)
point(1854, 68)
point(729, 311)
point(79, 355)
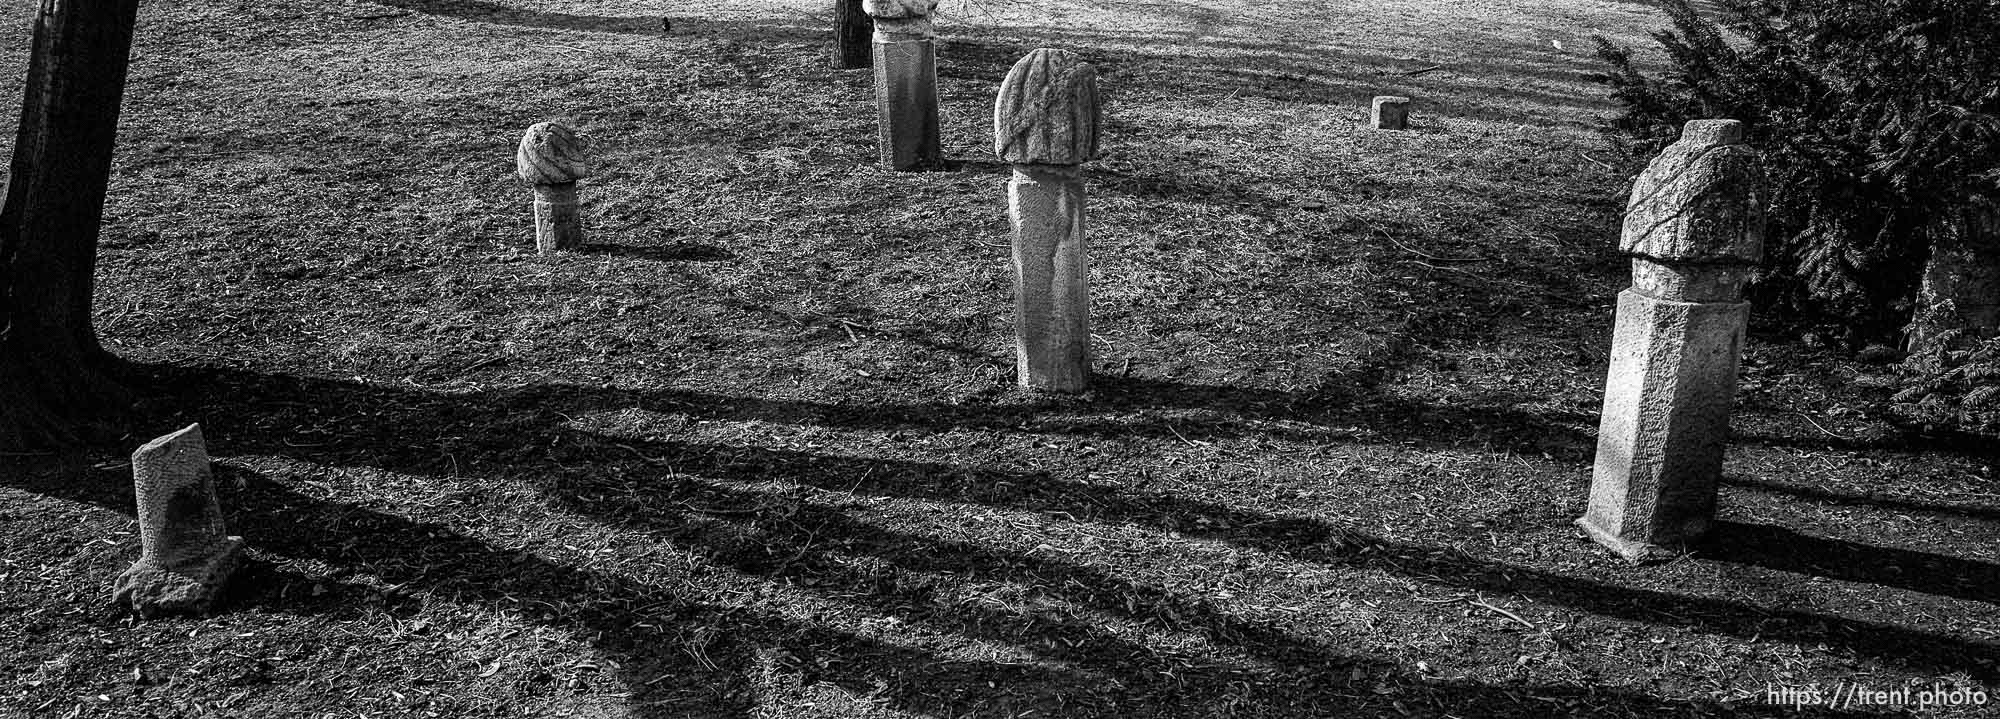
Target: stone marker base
point(187, 585)
point(1051, 287)
point(556, 225)
point(1666, 417)
point(1633, 551)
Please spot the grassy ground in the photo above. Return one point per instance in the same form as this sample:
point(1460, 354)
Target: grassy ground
point(756, 452)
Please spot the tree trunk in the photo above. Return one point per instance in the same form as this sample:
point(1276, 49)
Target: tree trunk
point(55, 379)
point(853, 31)
point(1964, 271)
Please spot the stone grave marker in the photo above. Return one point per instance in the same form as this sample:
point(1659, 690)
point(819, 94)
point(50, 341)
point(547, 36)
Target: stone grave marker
point(187, 554)
point(1045, 124)
point(1694, 230)
point(552, 159)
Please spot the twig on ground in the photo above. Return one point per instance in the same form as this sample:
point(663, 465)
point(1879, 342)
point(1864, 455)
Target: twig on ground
point(1599, 163)
point(1508, 614)
point(1420, 253)
point(1424, 70)
point(1191, 443)
point(1830, 433)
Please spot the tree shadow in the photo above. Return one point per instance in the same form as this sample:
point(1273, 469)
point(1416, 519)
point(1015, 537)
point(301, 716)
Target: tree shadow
point(343, 423)
point(1783, 549)
point(1281, 72)
point(1974, 511)
point(652, 634)
point(1349, 406)
point(1968, 446)
point(498, 14)
point(674, 252)
point(494, 13)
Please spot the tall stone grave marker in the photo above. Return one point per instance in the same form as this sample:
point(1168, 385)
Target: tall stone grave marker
point(1694, 230)
point(1045, 124)
point(186, 553)
point(906, 82)
point(552, 159)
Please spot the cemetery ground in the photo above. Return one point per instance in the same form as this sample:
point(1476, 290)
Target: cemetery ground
point(757, 451)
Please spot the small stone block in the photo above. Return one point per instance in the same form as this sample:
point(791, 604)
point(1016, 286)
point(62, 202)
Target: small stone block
point(1391, 112)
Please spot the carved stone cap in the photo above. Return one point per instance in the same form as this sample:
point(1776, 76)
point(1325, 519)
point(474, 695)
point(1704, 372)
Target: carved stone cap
point(1701, 201)
point(1047, 111)
point(550, 154)
point(898, 9)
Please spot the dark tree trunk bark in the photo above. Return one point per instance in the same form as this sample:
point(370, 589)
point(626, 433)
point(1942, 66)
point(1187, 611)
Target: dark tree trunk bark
point(55, 379)
point(853, 35)
point(1963, 270)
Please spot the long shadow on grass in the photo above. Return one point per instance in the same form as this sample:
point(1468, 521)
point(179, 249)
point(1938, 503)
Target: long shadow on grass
point(1786, 550)
point(1820, 495)
point(1276, 71)
point(1359, 403)
point(496, 13)
point(519, 435)
point(672, 252)
point(502, 14)
point(652, 632)
point(717, 653)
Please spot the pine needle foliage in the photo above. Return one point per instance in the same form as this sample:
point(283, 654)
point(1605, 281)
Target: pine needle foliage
point(1951, 384)
point(1875, 117)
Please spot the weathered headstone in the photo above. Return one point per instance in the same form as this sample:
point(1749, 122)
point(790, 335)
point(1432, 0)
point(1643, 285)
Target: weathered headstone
point(1045, 124)
point(853, 33)
point(1694, 230)
point(1390, 112)
point(187, 554)
point(906, 82)
point(552, 159)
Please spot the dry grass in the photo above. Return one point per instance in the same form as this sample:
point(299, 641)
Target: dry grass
point(757, 451)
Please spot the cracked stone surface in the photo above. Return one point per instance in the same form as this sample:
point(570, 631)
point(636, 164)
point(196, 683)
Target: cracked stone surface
point(1700, 201)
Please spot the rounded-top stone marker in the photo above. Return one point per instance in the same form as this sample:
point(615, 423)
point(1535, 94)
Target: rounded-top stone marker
point(1045, 125)
point(551, 157)
point(550, 154)
point(1047, 112)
